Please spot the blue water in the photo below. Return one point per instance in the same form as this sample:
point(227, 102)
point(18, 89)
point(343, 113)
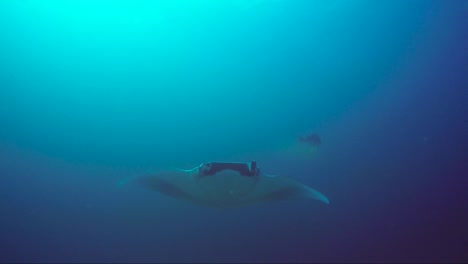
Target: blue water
point(96, 92)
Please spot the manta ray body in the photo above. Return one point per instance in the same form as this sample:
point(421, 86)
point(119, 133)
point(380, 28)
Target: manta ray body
point(225, 185)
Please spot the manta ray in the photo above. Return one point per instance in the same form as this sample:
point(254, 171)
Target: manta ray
point(227, 185)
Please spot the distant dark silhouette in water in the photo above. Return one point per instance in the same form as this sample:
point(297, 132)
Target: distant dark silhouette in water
point(311, 139)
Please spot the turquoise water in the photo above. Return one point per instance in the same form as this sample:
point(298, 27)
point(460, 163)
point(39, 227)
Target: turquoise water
point(94, 92)
point(151, 80)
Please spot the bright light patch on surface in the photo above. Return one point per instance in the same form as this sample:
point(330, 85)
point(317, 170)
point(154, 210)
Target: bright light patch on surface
point(146, 48)
point(158, 28)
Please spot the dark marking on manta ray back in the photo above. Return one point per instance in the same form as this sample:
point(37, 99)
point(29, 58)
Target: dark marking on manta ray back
point(283, 194)
point(163, 187)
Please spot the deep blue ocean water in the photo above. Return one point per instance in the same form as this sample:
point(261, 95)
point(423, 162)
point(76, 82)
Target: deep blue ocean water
point(93, 93)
